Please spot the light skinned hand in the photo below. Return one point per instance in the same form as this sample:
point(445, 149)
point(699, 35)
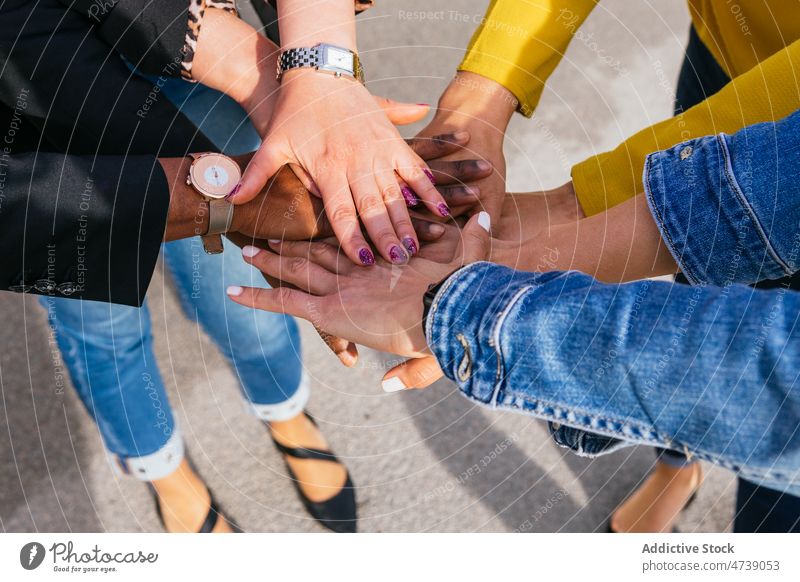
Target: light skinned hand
point(334, 130)
point(330, 289)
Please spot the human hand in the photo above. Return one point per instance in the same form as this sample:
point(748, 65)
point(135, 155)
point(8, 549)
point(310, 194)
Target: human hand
point(483, 108)
point(336, 132)
point(331, 294)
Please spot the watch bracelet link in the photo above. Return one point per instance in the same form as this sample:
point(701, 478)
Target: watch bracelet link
point(311, 57)
point(297, 58)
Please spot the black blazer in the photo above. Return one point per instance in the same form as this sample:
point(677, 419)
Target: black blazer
point(83, 201)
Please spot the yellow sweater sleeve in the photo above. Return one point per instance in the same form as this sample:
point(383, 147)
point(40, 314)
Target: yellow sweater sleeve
point(519, 43)
point(768, 92)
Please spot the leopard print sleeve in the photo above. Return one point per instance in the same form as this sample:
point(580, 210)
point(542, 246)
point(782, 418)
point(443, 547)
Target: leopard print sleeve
point(197, 9)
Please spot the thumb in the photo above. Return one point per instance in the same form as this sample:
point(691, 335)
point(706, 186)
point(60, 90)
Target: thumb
point(414, 373)
point(475, 238)
point(402, 113)
point(263, 165)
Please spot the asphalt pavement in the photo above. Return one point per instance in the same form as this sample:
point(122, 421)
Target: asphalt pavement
point(412, 455)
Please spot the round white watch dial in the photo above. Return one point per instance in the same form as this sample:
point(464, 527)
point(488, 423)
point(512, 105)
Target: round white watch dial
point(216, 176)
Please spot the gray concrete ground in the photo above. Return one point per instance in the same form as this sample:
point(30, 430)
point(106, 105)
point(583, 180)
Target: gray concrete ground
point(407, 452)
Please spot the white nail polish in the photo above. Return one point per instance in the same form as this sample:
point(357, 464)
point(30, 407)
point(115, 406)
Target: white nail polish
point(234, 290)
point(250, 251)
point(274, 241)
point(393, 384)
point(485, 221)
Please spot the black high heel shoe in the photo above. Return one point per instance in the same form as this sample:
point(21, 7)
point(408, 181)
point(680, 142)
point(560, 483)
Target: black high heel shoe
point(338, 513)
point(213, 515)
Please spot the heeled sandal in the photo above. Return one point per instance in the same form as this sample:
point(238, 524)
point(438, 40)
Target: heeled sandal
point(213, 515)
point(688, 504)
point(338, 513)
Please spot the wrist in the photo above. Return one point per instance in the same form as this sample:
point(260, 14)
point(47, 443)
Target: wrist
point(188, 211)
point(475, 97)
point(304, 24)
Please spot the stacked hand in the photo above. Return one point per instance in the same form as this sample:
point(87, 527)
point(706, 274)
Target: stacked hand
point(379, 307)
point(353, 156)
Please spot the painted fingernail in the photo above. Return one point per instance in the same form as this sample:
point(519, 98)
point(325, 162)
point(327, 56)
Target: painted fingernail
point(430, 176)
point(274, 241)
point(394, 384)
point(409, 196)
point(473, 190)
point(443, 209)
point(234, 291)
point(461, 135)
point(410, 245)
point(234, 192)
point(397, 255)
point(483, 165)
point(366, 257)
point(485, 221)
point(250, 251)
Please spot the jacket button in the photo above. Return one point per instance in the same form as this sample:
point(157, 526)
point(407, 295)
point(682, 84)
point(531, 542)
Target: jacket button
point(686, 152)
point(45, 286)
point(21, 288)
point(66, 288)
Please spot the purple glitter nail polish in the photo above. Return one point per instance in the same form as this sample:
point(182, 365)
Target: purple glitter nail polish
point(430, 176)
point(443, 209)
point(409, 196)
point(234, 192)
point(397, 255)
point(410, 245)
point(366, 257)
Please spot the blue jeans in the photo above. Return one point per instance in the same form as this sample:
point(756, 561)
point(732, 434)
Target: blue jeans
point(108, 349)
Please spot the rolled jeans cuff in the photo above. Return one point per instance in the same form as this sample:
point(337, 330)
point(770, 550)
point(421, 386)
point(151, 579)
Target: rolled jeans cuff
point(287, 409)
point(157, 465)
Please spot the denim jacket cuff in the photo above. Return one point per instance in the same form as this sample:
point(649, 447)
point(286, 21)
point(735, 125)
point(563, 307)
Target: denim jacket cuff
point(459, 326)
point(704, 217)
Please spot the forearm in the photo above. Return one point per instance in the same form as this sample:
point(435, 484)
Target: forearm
point(622, 244)
point(760, 95)
point(234, 58)
point(188, 212)
point(304, 23)
point(568, 349)
point(520, 43)
point(285, 209)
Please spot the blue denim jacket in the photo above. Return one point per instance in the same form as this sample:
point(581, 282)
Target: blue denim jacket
point(708, 370)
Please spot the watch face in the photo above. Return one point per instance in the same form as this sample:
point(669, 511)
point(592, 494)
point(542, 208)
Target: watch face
point(214, 175)
point(339, 58)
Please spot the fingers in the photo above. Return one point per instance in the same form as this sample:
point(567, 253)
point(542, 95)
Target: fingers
point(475, 238)
point(415, 373)
point(322, 254)
point(422, 182)
point(281, 300)
point(456, 196)
point(265, 163)
point(427, 231)
point(397, 208)
point(369, 200)
point(402, 113)
point(346, 351)
point(341, 211)
point(297, 271)
point(460, 171)
point(438, 146)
